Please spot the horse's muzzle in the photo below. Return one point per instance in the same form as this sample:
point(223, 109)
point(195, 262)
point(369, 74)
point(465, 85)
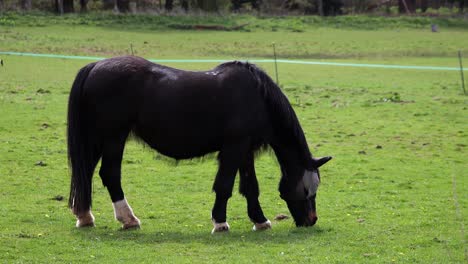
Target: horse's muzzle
point(311, 218)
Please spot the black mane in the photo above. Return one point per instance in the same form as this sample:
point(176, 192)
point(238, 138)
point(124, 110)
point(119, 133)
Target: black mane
point(283, 115)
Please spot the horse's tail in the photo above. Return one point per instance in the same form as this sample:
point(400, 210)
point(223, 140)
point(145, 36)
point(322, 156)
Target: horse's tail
point(80, 146)
point(284, 119)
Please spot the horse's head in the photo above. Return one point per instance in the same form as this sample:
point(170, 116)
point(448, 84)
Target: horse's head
point(301, 197)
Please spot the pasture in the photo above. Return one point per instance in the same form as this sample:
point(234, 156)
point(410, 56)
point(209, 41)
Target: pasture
point(396, 190)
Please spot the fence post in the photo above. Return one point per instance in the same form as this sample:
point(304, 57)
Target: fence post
point(461, 71)
point(276, 64)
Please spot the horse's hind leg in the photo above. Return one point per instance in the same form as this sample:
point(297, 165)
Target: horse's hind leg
point(110, 173)
point(229, 158)
point(248, 187)
point(86, 219)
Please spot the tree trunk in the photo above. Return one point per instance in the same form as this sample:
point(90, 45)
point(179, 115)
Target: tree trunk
point(411, 5)
point(236, 5)
point(256, 4)
point(59, 6)
point(133, 7)
point(108, 4)
point(463, 3)
point(68, 6)
point(320, 7)
point(1, 5)
point(185, 5)
point(407, 6)
point(208, 5)
point(169, 5)
point(83, 6)
point(435, 4)
point(123, 6)
point(26, 5)
point(424, 5)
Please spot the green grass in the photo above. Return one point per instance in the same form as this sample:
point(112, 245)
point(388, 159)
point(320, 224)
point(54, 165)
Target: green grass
point(320, 39)
point(405, 201)
point(252, 23)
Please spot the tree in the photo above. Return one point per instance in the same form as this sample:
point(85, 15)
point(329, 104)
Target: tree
point(64, 6)
point(59, 6)
point(424, 5)
point(169, 5)
point(208, 5)
point(461, 4)
point(332, 7)
point(408, 6)
point(26, 4)
point(68, 6)
point(436, 4)
point(108, 4)
point(83, 5)
point(320, 7)
point(123, 5)
point(185, 5)
point(237, 4)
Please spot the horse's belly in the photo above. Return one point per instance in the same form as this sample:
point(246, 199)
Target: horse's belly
point(185, 152)
point(180, 143)
point(189, 122)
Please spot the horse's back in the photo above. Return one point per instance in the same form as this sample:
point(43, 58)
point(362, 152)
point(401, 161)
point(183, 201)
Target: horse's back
point(189, 113)
point(180, 113)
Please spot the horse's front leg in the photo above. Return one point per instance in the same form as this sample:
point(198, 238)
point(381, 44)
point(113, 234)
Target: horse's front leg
point(248, 187)
point(229, 158)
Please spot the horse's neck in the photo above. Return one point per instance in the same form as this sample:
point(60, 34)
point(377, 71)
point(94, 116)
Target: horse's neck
point(292, 169)
point(290, 160)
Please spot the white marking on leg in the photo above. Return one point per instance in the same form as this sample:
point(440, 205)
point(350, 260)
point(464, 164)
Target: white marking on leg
point(262, 226)
point(124, 213)
point(219, 227)
point(85, 219)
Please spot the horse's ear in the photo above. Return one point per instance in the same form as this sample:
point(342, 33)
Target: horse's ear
point(320, 161)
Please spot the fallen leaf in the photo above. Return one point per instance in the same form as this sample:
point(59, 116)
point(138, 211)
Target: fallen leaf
point(281, 217)
point(58, 198)
point(41, 163)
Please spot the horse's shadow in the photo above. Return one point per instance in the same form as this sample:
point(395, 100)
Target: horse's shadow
point(202, 236)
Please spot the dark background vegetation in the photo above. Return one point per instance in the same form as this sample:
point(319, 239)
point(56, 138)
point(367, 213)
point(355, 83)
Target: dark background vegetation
point(278, 7)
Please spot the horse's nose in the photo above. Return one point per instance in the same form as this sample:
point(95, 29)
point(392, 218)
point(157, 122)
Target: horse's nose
point(312, 218)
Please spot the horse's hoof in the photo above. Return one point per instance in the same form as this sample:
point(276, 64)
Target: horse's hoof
point(85, 220)
point(130, 227)
point(80, 224)
point(134, 224)
point(220, 228)
point(262, 226)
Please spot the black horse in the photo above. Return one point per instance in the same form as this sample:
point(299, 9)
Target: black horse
point(235, 109)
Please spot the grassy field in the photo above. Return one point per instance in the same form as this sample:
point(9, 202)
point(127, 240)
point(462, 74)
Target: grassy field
point(396, 191)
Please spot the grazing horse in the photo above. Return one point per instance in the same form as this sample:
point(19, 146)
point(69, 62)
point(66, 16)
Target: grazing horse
point(235, 109)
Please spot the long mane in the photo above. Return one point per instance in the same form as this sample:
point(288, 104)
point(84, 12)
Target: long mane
point(284, 119)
